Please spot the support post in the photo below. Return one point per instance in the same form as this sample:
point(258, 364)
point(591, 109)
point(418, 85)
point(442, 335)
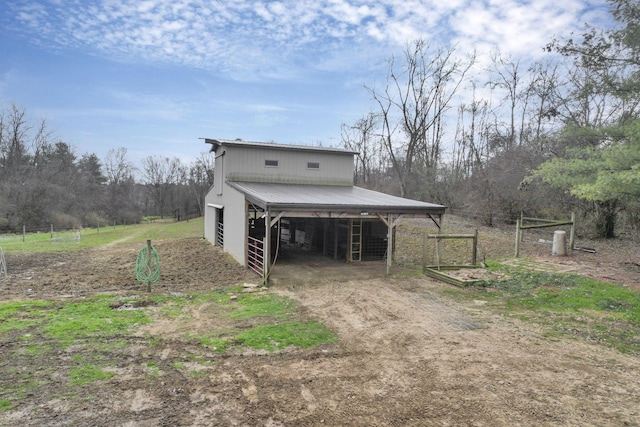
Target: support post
point(572, 232)
point(325, 237)
point(390, 227)
point(149, 248)
point(521, 225)
point(267, 248)
point(335, 242)
point(518, 232)
point(474, 255)
point(425, 255)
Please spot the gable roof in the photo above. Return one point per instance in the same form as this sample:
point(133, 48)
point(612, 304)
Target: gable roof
point(216, 143)
point(330, 198)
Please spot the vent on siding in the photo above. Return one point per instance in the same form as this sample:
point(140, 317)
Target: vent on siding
point(313, 165)
point(271, 163)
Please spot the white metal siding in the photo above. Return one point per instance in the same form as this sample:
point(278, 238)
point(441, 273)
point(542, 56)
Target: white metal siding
point(248, 164)
point(235, 224)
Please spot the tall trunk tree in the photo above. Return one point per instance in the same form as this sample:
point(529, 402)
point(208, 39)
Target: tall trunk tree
point(412, 104)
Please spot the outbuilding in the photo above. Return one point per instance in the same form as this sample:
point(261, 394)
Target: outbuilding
point(269, 196)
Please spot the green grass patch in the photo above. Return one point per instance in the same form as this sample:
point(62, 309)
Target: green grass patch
point(84, 337)
point(20, 315)
point(570, 304)
point(37, 349)
point(266, 312)
point(96, 323)
point(88, 374)
point(252, 305)
point(279, 336)
point(215, 343)
point(91, 319)
point(179, 365)
point(5, 405)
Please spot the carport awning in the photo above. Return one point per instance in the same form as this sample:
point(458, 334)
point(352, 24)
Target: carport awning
point(331, 198)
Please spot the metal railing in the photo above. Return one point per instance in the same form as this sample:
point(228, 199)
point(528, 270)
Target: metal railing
point(255, 255)
point(220, 234)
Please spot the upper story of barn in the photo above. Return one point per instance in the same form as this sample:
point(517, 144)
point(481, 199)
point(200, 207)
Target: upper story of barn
point(261, 162)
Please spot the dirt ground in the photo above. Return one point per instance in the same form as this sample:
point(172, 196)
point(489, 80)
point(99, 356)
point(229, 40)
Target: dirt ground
point(408, 355)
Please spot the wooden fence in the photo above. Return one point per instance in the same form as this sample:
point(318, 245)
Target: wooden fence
point(524, 223)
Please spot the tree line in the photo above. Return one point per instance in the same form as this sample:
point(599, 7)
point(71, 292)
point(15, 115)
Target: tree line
point(44, 182)
point(543, 139)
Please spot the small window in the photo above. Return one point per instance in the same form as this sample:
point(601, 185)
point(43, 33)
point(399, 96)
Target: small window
point(271, 163)
point(313, 165)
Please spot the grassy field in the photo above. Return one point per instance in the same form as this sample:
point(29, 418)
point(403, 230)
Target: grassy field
point(96, 237)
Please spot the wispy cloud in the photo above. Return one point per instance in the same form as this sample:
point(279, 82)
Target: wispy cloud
point(246, 39)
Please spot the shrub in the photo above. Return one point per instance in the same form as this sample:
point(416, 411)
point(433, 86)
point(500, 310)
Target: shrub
point(94, 220)
point(65, 221)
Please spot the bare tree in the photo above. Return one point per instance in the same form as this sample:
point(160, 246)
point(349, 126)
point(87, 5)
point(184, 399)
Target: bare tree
point(160, 174)
point(41, 145)
point(13, 135)
point(506, 76)
point(119, 171)
point(201, 179)
point(412, 106)
point(362, 138)
point(117, 167)
point(472, 143)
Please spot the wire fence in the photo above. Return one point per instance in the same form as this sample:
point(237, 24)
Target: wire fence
point(52, 232)
point(36, 234)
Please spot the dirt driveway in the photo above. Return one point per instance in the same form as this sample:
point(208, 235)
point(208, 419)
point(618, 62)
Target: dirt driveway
point(407, 356)
point(413, 357)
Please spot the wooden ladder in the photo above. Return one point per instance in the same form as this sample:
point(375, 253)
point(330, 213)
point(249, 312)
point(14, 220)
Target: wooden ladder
point(356, 240)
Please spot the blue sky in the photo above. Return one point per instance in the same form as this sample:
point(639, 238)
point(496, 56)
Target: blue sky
point(154, 76)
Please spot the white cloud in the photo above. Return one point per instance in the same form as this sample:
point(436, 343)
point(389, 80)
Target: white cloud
point(257, 39)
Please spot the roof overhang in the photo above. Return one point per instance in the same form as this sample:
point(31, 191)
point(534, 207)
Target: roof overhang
point(329, 201)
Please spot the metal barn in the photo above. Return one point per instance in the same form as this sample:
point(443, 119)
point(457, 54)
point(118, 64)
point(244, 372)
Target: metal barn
point(267, 197)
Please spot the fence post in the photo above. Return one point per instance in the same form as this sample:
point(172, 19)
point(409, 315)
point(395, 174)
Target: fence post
point(149, 249)
point(24, 232)
point(52, 231)
point(572, 232)
point(474, 256)
point(425, 255)
point(518, 238)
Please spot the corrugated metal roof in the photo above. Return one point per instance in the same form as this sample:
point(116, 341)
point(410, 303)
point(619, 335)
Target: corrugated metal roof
point(330, 198)
point(240, 143)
